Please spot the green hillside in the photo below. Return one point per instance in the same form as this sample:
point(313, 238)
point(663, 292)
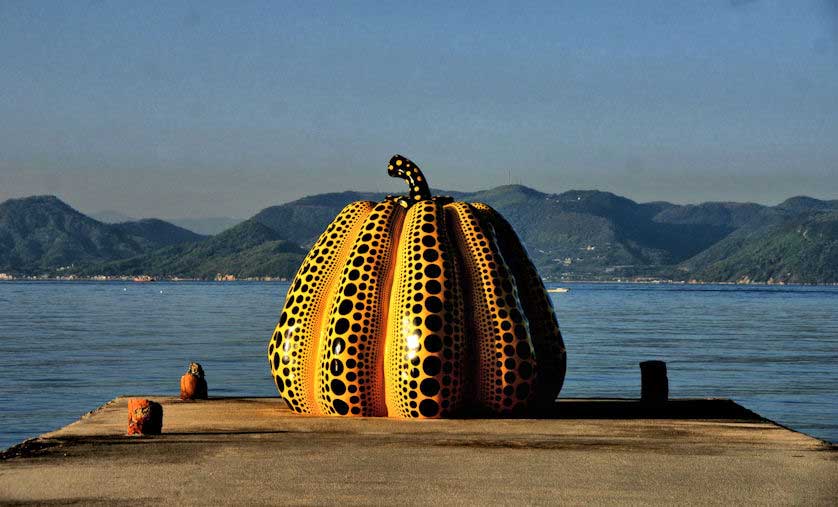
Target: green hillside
point(249, 249)
point(800, 250)
point(579, 234)
point(43, 234)
point(303, 220)
point(582, 234)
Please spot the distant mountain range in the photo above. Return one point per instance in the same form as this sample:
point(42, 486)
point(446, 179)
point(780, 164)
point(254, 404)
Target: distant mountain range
point(588, 235)
point(42, 234)
point(247, 250)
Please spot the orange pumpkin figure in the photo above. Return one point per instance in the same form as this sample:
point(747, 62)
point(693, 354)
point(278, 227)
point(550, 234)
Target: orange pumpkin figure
point(193, 385)
point(145, 417)
point(417, 307)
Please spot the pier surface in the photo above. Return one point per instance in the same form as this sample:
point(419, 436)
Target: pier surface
point(253, 450)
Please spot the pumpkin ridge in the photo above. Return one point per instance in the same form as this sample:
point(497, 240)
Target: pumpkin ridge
point(425, 349)
point(467, 384)
point(331, 286)
point(348, 378)
point(502, 345)
point(295, 342)
point(545, 330)
point(392, 320)
point(386, 299)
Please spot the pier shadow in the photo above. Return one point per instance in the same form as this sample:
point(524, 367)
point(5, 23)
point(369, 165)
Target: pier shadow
point(604, 408)
point(622, 408)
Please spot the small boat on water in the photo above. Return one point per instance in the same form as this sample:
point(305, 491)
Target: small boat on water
point(143, 279)
point(558, 289)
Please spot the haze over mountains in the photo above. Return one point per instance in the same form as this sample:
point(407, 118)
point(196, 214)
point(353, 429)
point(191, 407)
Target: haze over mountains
point(206, 226)
point(571, 235)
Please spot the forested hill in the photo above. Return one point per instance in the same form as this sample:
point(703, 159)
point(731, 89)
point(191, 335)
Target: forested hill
point(42, 234)
point(599, 235)
point(579, 234)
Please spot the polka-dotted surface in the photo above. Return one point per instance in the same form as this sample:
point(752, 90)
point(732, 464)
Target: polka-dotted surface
point(293, 347)
point(544, 328)
point(350, 376)
point(416, 307)
point(426, 351)
point(506, 367)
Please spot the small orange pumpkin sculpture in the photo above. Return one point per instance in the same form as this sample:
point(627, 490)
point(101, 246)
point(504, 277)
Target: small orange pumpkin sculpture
point(193, 383)
point(417, 307)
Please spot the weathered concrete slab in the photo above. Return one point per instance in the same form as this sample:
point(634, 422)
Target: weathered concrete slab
point(253, 450)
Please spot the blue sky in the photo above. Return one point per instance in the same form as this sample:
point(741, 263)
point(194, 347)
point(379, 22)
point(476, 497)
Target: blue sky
point(222, 108)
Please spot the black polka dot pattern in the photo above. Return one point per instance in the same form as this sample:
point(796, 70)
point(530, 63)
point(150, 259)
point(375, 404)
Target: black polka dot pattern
point(356, 329)
point(417, 307)
point(426, 352)
point(544, 328)
point(505, 371)
point(292, 351)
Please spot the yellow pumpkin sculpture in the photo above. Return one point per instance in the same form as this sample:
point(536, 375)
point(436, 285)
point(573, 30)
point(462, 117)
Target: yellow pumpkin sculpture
point(417, 306)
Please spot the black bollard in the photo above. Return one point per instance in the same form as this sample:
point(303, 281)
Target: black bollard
point(654, 386)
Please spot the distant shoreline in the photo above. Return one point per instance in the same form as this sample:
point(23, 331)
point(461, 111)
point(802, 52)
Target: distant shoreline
point(227, 278)
point(130, 279)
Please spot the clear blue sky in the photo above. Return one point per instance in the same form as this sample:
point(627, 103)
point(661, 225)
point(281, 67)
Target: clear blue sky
point(222, 108)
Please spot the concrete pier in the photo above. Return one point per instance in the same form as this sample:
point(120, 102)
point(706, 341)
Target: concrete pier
point(253, 450)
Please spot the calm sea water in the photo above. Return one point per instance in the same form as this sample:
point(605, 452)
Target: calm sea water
point(68, 347)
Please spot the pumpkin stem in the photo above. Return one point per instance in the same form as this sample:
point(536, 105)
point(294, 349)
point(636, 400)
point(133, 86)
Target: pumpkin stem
point(401, 167)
